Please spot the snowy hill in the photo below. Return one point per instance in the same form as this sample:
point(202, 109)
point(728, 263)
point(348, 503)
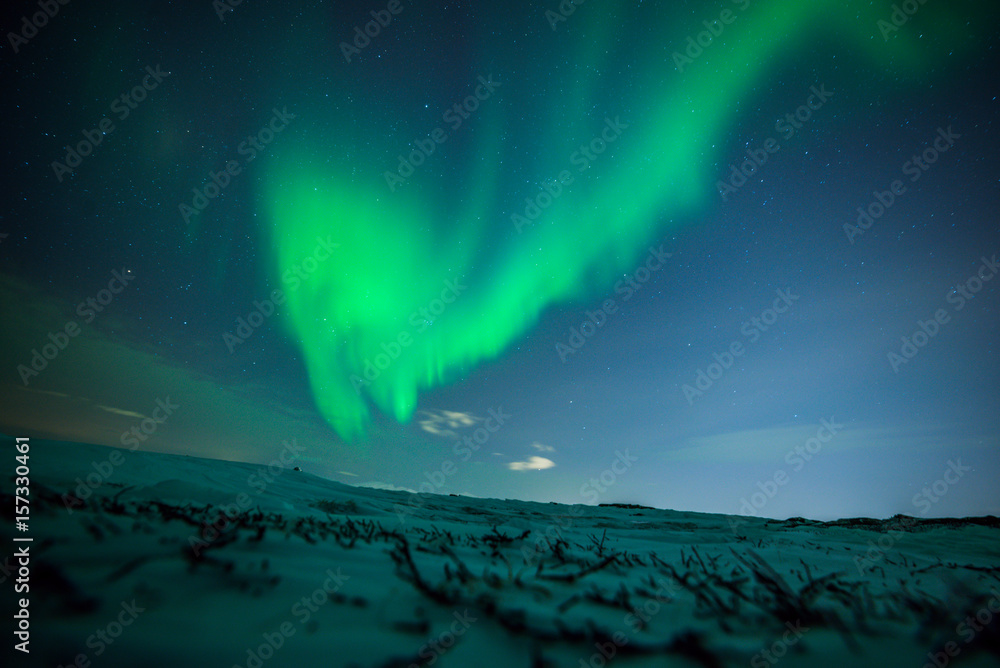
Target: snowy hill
point(161, 560)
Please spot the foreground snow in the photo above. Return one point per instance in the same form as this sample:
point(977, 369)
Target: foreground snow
point(310, 572)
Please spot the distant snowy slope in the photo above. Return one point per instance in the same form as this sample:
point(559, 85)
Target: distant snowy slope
point(127, 569)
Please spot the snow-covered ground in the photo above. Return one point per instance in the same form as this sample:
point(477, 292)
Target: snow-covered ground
point(310, 572)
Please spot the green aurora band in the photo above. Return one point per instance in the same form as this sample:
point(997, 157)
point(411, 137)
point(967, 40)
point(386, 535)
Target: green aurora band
point(399, 250)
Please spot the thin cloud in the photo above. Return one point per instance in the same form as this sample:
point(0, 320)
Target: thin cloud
point(119, 411)
point(444, 423)
point(49, 392)
point(533, 463)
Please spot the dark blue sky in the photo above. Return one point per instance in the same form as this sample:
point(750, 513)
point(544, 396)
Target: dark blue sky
point(812, 417)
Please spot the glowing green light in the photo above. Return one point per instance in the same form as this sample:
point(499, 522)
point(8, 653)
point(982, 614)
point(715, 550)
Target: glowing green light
point(376, 321)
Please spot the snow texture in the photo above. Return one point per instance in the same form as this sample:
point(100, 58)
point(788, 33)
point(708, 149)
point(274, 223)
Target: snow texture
point(310, 572)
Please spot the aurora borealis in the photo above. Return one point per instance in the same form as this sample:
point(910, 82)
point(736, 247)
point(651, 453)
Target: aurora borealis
point(373, 344)
point(354, 221)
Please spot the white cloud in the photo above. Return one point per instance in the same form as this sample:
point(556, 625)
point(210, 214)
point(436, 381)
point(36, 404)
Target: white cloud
point(49, 392)
point(119, 411)
point(444, 423)
point(541, 447)
point(532, 463)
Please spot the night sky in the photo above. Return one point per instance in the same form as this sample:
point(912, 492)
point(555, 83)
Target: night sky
point(729, 257)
